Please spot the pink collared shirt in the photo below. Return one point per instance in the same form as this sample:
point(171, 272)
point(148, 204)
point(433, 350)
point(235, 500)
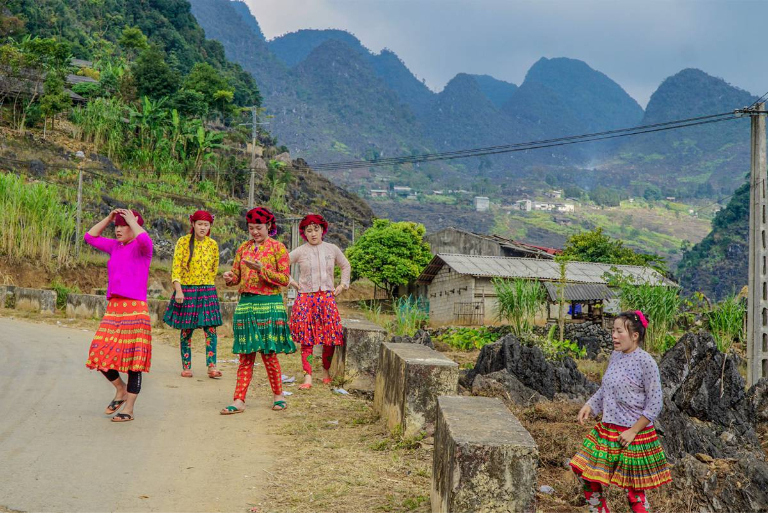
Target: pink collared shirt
point(316, 265)
point(128, 266)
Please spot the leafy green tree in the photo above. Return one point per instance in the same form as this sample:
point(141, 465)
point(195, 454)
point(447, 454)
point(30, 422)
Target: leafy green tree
point(190, 103)
point(55, 99)
point(595, 246)
point(133, 40)
point(390, 254)
point(207, 80)
point(152, 75)
point(652, 193)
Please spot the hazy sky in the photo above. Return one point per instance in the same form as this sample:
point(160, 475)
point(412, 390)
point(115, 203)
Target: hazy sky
point(636, 43)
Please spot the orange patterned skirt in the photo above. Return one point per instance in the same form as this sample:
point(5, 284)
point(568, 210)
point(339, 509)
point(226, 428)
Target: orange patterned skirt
point(123, 341)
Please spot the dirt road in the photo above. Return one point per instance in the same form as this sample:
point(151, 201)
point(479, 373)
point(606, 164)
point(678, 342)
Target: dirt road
point(58, 452)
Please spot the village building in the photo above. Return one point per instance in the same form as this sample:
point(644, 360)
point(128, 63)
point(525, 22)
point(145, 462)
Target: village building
point(459, 288)
point(401, 190)
point(524, 204)
point(379, 193)
point(555, 194)
point(482, 203)
point(461, 242)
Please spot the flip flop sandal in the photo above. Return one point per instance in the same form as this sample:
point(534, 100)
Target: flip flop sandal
point(327, 381)
point(231, 410)
point(279, 405)
point(122, 417)
point(305, 386)
point(214, 374)
point(114, 406)
point(186, 374)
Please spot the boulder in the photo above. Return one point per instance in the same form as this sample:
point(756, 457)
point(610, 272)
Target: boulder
point(420, 337)
point(591, 336)
point(504, 385)
point(531, 368)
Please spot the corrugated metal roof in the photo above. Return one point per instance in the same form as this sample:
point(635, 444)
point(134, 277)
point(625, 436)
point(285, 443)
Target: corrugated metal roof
point(579, 291)
point(547, 270)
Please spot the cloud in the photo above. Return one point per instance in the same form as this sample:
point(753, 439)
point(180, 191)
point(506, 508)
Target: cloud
point(636, 43)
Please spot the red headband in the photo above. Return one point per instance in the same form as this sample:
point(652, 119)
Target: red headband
point(120, 220)
point(312, 219)
point(642, 318)
point(201, 215)
point(261, 215)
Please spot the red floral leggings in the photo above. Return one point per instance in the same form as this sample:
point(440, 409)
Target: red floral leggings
point(593, 493)
point(245, 374)
point(307, 357)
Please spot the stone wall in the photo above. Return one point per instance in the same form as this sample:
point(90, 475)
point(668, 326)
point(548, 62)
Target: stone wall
point(36, 300)
point(357, 359)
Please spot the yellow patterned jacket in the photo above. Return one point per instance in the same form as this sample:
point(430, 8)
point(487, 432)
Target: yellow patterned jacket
point(204, 265)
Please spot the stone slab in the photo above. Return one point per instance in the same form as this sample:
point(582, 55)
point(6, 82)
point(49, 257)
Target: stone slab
point(8, 296)
point(409, 379)
point(484, 460)
point(36, 300)
point(357, 359)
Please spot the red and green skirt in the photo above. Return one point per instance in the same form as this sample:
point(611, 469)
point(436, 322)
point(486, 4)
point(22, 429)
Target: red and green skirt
point(200, 308)
point(640, 466)
point(315, 320)
point(123, 340)
point(261, 325)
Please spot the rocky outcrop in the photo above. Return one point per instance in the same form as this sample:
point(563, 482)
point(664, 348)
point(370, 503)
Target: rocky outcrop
point(421, 337)
point(707, 427)
point(530, 368)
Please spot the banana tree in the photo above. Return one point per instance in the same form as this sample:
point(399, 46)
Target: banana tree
point(205, 142)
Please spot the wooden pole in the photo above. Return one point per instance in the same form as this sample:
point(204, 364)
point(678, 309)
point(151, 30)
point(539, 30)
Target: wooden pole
point(79, 234)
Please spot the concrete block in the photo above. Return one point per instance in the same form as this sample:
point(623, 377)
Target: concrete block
point(409, 379)
point(8, 296)
point(357, 359)
point(484, 461)
point(36, 300)
point(86, 306)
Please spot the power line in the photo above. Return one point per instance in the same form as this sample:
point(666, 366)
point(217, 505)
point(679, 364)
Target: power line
point(563, 141)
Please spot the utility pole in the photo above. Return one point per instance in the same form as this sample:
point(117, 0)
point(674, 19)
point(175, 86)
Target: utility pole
point(254, 133)
point(295, 243)
point(79, 233)
point(757, 309)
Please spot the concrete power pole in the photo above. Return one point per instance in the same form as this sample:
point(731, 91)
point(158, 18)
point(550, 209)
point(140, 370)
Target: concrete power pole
point(254, 134)
point(757, 309)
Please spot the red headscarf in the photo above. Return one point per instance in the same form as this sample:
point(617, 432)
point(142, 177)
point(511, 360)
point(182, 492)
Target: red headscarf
point(120, 220)
point(312, 219)
point(201, 215)
point(261, 215)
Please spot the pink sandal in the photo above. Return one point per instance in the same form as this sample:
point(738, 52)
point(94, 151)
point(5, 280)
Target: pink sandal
point(213, 373)
point(305, 386)
point(186, 374)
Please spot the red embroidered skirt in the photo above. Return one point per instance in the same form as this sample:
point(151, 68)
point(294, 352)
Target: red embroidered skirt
point(315, 320)
point(640, 466)
point(123, 341)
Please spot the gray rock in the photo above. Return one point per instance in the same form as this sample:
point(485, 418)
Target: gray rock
point(505, 386)
point(421, 337)
point(591, 336)
point(529, 366)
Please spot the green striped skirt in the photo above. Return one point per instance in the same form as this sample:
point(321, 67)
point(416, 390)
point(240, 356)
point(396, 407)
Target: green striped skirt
point(261, 325)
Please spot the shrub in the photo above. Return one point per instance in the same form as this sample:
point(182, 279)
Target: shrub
point(661, 306)
point(411, 314)
point(726, 322)
point(519, 301)
point(467, 339)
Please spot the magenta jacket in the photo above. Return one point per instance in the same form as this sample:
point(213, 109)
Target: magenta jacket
point(128, 267)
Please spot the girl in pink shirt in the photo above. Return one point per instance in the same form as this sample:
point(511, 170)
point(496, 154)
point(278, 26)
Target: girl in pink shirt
point(315, 318)
point(123, 341)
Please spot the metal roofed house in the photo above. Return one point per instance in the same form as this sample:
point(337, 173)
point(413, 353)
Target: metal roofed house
point(456, 241)
point(460, 288)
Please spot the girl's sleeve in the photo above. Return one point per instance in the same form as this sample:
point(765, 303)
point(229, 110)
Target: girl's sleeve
point(280, 276)
point(596, 402)
point(654, 397)
point(346, 268)
point(178, 262)
point(236, 266)
point(294, 255)
point(101, 243)
point(145, 244)
point(215, 260)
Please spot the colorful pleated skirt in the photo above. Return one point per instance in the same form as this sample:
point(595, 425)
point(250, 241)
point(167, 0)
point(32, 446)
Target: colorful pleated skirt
point(640, 466)
point(315, 320)
point(123, 340)
point(261, 325)
point(200, 308)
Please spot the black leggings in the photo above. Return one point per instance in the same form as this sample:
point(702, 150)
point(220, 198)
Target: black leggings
point(134, 379)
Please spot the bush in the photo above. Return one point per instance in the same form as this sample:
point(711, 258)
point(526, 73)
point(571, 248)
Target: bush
point(660, 305)
point(62, 292)
point(467, 339)
point(411, 314)
point(726, 322)
point(519, 301)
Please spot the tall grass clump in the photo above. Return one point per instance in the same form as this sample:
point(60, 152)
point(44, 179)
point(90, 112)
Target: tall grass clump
point(726, 322)
point(102, 122)
point(411, 314)
point(660, 305)
point(34, 224)
point(519, 301)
